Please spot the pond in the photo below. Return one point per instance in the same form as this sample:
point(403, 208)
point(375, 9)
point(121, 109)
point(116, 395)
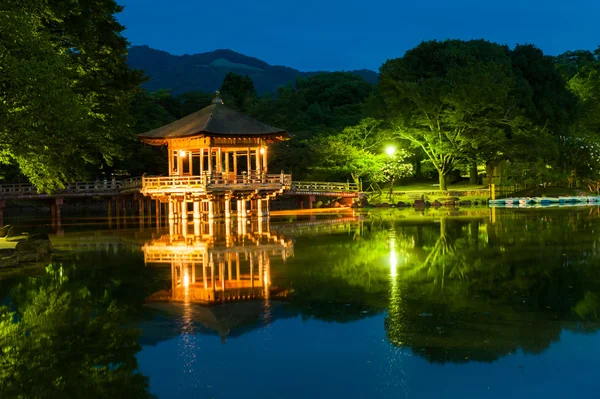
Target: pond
point(455, 304)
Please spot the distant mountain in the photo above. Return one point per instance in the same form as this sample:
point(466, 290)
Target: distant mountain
point(206, 71)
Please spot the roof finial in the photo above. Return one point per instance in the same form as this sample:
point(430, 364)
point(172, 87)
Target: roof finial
point(217, 99)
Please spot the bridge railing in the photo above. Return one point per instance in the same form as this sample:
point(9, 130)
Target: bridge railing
point(28, 189)
point(213, 180)
point(323, 187)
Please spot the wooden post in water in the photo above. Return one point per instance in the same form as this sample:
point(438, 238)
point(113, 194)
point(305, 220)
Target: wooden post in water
point(141, 207)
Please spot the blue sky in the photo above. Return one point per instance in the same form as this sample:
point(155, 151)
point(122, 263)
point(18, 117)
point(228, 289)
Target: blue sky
point(349, 34)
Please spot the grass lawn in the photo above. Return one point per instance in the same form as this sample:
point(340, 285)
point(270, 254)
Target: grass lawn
point(433, 185)
point(410, 191)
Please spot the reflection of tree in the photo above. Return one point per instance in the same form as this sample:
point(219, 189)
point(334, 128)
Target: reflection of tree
point(477, 300)
point(63, 338)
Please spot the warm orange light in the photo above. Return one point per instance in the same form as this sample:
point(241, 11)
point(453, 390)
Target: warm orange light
point(182, 153)
point(262, 150)
point(186, 278)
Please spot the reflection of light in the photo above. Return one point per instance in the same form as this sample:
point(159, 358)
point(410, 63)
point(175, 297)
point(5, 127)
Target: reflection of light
point(262, 150)
point(393, 263)
point(393, 257)
point(186, 278)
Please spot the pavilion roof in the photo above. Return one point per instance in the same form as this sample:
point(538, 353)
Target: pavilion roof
point(214, 120)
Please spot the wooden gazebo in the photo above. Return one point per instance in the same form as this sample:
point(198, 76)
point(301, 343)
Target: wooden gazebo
point(216, 155)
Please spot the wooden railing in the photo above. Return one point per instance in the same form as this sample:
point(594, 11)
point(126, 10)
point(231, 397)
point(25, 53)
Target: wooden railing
point(27, 190)
point(202, 182)
point(224, 180)
point(300, 187)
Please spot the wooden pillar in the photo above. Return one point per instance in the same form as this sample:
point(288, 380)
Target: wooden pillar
point(211, 227)
point(204, 270)
point(243, 209)
point(171, 209)
point(237, 266)
point(251, 270)
point(211, 209)
point(258, 168)
point(190, 166)
point(141, 207)
point(179, 164)
point(311, 199)
point(226, 162)
point(227, 208)
point(212, 272)
point(109, 208)
point(201, 160)
point(229, 266)
point(209, 159)
point(259, 208)
point(249, 164)
point(170, 155)
point(219, 161)
point(264, 157)
point(197, 231)
point(157, 213)
point(184, 210)
point(267, 207)
point(196, 209)
point(235, 164)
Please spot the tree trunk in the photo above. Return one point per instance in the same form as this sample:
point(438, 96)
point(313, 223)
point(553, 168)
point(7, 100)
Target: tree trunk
point(473, 173)
point(442, 181)
point(418, 173)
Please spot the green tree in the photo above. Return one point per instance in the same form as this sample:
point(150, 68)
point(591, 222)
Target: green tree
point(581, 146)
point(358, 152)
point(450, 98)
point(238, 91)
point(65, 88)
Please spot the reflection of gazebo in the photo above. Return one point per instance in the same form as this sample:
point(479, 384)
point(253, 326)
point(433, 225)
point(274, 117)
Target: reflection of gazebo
point(228, 320)
point(212, 270)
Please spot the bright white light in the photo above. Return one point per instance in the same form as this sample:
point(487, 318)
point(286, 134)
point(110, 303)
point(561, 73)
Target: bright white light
point(390, 150)
point(262, 150)
point(182, 153)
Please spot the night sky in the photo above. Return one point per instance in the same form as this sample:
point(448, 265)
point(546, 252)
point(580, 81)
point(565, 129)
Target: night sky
point(349, 34)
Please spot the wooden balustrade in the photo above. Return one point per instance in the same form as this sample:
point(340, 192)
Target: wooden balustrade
point(323, 187)
point(214, 180)
point(201, 182)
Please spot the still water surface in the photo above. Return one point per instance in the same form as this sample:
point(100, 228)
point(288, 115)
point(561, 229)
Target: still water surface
point(383, 305)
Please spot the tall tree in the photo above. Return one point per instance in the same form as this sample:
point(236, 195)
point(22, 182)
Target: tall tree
point(65, 88)
point(239, 90)
point(449, 98)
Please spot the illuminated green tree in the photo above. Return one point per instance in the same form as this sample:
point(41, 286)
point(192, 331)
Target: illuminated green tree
point(65, 88)
point(452, 99)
